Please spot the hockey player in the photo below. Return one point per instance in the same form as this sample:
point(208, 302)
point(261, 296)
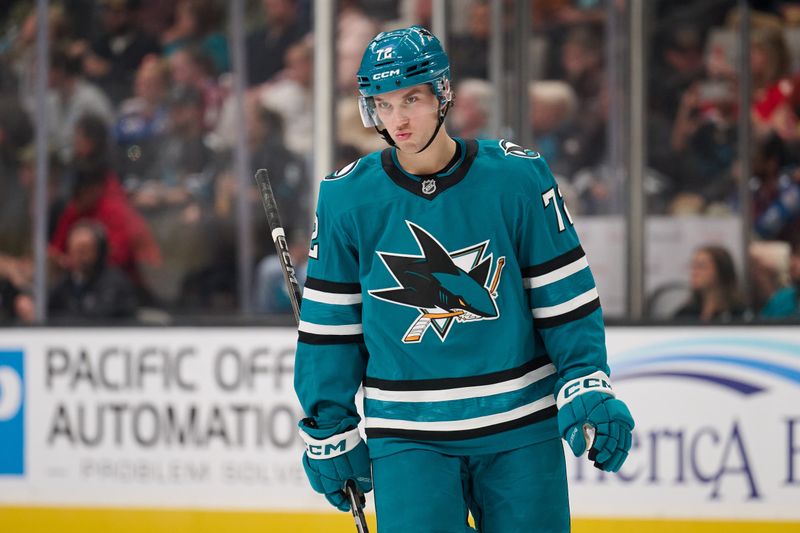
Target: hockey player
point(445, 276)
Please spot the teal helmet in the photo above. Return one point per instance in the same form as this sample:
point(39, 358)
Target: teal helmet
point(399, 59)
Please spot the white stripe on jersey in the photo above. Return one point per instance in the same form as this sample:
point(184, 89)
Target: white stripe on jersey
point(331, 297)
point(566, 307)
point(460, 393)
point(556, 275)
point(465, 424)
point(325, 329)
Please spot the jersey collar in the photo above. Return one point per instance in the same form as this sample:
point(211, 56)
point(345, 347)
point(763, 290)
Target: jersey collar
point(431, 185)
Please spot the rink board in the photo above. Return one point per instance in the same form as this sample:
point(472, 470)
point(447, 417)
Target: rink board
point(187, 429)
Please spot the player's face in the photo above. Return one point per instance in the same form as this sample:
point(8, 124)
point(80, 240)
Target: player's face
point(409, 115)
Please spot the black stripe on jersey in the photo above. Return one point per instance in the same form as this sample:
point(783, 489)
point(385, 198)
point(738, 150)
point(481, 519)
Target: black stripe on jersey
point(455, 383)
point(553, 321)
point(313, 338)
point(554, 264)
point(442, 182)
point(419, 434)
point(332, 286)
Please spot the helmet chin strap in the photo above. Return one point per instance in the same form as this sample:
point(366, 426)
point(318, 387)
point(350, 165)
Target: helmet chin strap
point(442, 114)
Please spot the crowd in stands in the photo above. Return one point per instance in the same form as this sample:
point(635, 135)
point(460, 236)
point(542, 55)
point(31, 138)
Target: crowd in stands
point(142, 127)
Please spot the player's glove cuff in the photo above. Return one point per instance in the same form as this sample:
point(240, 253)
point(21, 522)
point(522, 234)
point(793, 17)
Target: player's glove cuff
point(595, 382)
point(333, 446)
point(330, 461)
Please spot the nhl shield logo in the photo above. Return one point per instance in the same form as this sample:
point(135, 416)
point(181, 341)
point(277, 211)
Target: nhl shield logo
point(429, 186)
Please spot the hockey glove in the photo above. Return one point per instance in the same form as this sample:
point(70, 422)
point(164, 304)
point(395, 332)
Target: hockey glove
point(587, 405)
point(333, 458)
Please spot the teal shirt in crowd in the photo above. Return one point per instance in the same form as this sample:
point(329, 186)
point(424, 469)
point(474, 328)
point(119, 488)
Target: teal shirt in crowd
point(783, 304)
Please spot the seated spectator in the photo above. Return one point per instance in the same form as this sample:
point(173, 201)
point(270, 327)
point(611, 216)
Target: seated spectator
point(716, 296)
point(271, 293)
point(71, 97)
point(469, 52)
point(97, 195)
point(143, 122)
point(183, 169)
point(291, 96)
point(703, 146)
point(112, 58)
point(266, 47)
point(198, 23)
point(553, 106)
point(776, 195)
point(769, 270)
point(469, 117)
point(287, 171)
point(770, 62)
point(191, 67)
point(785, 302)
point(91, 288)
point(355, 29)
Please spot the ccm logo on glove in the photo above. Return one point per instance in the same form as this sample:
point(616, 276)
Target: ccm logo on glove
point(332, 446)
point(596, 382)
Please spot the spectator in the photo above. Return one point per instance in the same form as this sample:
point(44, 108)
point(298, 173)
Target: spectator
point(190, 66)
point(97, 195)
point(291, 96)
point(267, 46)
point(184, 170)
point(91, 288)
point(469, 53)
point(16, 132)
point(715, 294)
point(772, 89)
point(287, 171)
point(470, 115)
point(355, 30)
point(112, 58)
point(582, 62)
point(703, 145)
point(71, 98)
point(786, 301)
point(197, 23)
point(553, 106)
point(776, 191)
point(143, 122)
point(769, 270)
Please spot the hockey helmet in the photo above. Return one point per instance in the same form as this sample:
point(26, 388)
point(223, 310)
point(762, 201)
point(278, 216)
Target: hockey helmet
point(398, 59)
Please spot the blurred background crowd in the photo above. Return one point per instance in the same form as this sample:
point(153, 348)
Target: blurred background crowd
point(142, 125)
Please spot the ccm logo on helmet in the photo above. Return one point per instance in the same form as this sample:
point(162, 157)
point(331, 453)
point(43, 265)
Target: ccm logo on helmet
point(386, 74)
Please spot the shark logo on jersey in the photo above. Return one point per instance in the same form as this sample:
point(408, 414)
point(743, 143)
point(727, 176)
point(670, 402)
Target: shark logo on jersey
point(516, 150)
point(344, 171)
point(443, 286)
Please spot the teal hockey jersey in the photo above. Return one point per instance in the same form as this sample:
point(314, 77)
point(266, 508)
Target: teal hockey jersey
point(456, 300)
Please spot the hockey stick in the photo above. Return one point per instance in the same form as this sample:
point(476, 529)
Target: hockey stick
point(354, 495)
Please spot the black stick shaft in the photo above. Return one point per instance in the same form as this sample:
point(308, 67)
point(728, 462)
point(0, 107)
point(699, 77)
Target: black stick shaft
point(279, 238)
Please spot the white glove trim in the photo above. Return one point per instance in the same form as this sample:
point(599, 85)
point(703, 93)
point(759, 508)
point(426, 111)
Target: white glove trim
point(333, 446)
point(595, 382)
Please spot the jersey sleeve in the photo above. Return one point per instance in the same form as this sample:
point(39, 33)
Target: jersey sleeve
point(331, 357)
point(561, 290)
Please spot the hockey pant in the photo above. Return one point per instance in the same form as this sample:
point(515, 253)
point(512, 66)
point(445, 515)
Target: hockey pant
point(522, 490)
